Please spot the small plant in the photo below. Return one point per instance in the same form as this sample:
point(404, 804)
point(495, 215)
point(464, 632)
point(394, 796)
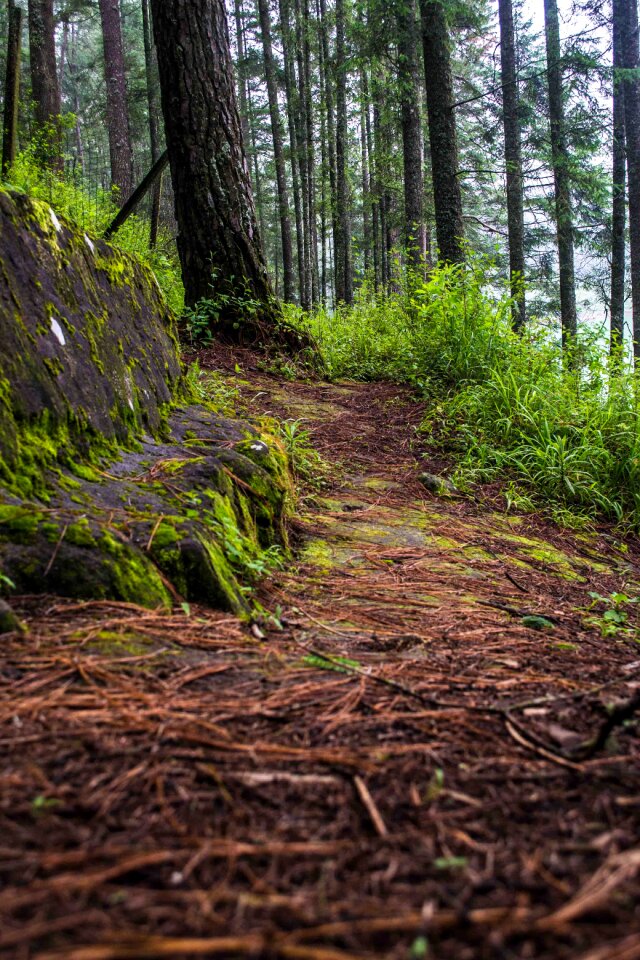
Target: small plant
point(6, 583)
point(614, 619)
point(306, 463)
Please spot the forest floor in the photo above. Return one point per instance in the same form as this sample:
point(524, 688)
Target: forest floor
point(391, 774)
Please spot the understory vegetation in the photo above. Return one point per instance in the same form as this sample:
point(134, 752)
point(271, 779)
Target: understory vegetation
point(93, 208)
point(559, 431)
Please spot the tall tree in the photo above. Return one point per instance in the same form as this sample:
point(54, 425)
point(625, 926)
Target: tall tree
point(45, 86)
point(408, 76)
point(343, 254)
point(151, 74)
point(561, 173)
point(631, 59)
point(513, 160)
point(218, 240)
point(278, 149)
point(618, 209)
point(12, 88)
point(120, 149)
point(447, 196)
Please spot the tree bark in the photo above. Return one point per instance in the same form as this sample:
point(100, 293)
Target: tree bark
point(219, 240)
point(45, 87)
point(409, 80)
point(632, 135)
point(618, 208)
point(331, 131)
point(366, 173)
point(278, 150)
point(292, 112)
point(120, 150)
point(151, 76)
point(442, 132)
point(560, 160)
point(513, 160)
point(344, 266)
point(12, 89)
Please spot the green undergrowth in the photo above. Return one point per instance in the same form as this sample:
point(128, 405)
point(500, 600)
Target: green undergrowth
point(93, 209)
point(559, 432)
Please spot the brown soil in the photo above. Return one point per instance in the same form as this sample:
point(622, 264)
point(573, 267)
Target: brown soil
point(397, 772)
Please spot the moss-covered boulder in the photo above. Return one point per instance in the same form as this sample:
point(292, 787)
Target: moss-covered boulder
point(111, 484)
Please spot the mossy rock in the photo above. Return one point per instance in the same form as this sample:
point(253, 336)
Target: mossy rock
point(111, 484)
point(87, 344)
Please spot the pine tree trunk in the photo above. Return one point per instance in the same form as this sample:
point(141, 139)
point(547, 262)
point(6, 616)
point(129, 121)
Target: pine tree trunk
point(366, 174)
point(73, 73)
point(344, 269)
point(618, 208)
point(560, 160)
point(291, 95)
point(45, 87)
point(219, 240)
point(632, 135)
point(117, 116)
point(442, 132)
point(278, 150)
point(12, 89)
point(301, 104)
point(513, 160)
point(331, 133)
point(151, 71)
point(241, 72)
point(311, 159)
point(408, 77)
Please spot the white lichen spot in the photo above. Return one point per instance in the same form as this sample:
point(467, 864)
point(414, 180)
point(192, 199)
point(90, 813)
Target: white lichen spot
point(89, 243)
point(259, 447)
point(131, 404)
point(55, 221)
point(56, 329)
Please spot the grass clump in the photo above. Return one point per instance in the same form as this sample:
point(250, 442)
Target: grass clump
point(561, 431)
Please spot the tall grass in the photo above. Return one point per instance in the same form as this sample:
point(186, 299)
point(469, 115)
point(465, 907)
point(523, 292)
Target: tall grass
point(93, 210)
point(559, 431)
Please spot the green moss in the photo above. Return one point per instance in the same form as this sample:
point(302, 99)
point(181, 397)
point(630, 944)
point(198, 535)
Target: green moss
point(135, 579)
point(19, 524)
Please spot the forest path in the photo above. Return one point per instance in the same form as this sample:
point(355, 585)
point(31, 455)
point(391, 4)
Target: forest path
point(383, 777)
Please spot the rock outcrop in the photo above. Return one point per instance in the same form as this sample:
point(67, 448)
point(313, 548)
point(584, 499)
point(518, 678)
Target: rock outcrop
point(112, 484)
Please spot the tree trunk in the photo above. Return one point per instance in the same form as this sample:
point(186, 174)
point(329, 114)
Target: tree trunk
point(513, 160)
point(45, 87)
point(560, 160)
point(241, 73)
point(117, 117)
point(618, 209)
point(442, 132)
point(219, 240)
point(73, 73)
point(344, 268)
point(292, 113)
point(331, 133)
point(278, 150)
point(408, 77)
point(632, 135)
point(366, 173)
point(12, 88)
point(151, 76)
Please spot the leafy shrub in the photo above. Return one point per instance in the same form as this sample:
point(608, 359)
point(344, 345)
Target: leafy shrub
point(558, 430)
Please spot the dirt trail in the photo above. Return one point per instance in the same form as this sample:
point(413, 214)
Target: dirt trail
point(389, 775)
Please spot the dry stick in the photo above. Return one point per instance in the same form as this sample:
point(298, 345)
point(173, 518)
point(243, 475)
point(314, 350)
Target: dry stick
point(153, 947)
point(137, 196)
point(57, 548)
point(370, 806)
